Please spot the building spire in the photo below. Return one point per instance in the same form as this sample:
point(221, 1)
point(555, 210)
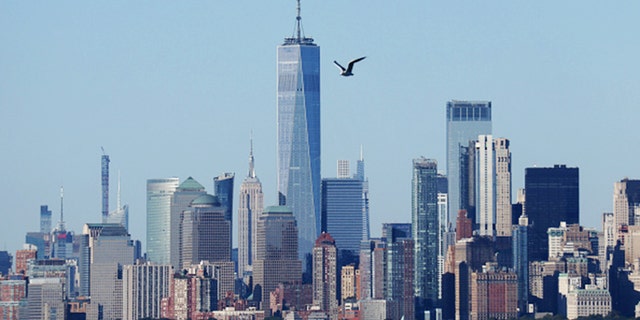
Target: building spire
point(118, 196)
point(298, 23)
point(61, 225)
point(252, 171)
point(298, 33)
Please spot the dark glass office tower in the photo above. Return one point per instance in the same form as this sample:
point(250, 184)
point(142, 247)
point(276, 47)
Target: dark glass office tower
point(552, 196)
point(223, 186)
point(424, 220)
point(299, 134)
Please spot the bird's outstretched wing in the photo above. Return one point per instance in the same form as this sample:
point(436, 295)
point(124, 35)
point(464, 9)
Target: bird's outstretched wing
point(339, 66)
point(352, 62)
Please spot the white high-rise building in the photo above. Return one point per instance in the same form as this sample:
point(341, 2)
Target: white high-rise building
point(143, 288)
point(493, 183)
point(159, 194)
point(486, 216)
point(250, 206)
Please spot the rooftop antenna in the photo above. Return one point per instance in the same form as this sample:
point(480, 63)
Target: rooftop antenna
point(118, 200)
point(298, 18)
point(252, 171)
point(61, 227)
point(105, 185)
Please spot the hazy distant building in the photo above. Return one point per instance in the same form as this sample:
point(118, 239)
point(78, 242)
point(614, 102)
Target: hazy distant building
point(325, 274)
point(277, 252)
point(250, 207)
point(12, 293)
point(109, 248)
point(223, 186)
point(372, 268)
point(6, 262)
point(45, 300)
point(45, 219)
point(159, 193)
point(465, 121)
point(298, 94)
point(424, 220)
point(181, 199)
point(143, 288)
point(204, 232)
point(400, 269)
point(23, 256)
point(121, 214)
point(552, 196)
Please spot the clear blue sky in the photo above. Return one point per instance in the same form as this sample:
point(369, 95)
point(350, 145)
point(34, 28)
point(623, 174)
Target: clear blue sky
point(174, 88)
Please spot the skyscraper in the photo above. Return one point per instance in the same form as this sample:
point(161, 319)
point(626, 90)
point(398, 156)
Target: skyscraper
point(250, 206)
point(325, 276)
point(159, 193)
point(276, 255)
point(465, 121)
point(424, 220)
point(45, 219)
point(552, 196)
point(223, 186)
point(143, 287)
point(493, 169)
point(105, 186)
point(204, 232)
point(521, 261)
point(400, 267)
point(121, 214)
point(188, 190)
point(626, 202)
point(503, 187)
point(299, 134)
point(110, 247)
point(344, 205)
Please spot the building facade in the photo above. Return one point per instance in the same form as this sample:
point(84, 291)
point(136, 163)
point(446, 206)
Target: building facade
point(325, 274)
point(250, 207)
point(159, 193)
point(465, 121)
point(299, 134)
point(424, 220)
point(552, 196)
point(181, 199)
point(277, 252)
point(143, 288)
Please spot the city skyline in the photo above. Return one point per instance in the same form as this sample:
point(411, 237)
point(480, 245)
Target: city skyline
point(563, 67)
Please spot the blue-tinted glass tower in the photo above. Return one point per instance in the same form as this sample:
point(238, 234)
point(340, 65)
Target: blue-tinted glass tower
point(299, 134)
point(343, 215)
point(465, 121)
point(425, 233)
point(45, 219)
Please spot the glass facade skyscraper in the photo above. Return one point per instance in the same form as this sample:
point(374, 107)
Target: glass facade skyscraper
point(425, 232)
point(159, 194)
point(344, 214)
point(465, 121)
point(299, 134)
point(552, 196)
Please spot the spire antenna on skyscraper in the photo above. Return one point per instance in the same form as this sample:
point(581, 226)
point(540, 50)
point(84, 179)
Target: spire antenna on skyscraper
point(298, 33)
point(252, 171)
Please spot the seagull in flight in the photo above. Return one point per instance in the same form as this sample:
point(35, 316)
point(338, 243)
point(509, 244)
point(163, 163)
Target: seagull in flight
point(347, 72)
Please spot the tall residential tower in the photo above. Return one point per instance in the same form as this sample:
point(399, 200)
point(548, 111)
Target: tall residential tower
point(299, 134)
